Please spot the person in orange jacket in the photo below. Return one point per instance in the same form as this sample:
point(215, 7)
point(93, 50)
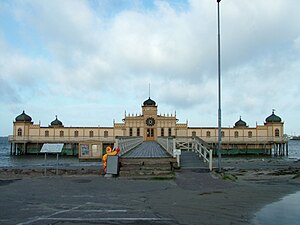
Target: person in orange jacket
point(109, 151)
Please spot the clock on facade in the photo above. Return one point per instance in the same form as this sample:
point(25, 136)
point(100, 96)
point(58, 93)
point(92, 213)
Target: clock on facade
point(150, 121)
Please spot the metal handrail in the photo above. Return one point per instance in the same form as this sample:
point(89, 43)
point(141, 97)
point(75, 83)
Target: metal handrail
point(125, 144)
point(167, 143)
point(203, 150)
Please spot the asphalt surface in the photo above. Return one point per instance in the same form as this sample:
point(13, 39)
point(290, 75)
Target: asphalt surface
point(100, 200)
point(194, 197)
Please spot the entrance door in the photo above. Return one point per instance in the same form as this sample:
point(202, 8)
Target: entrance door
point(150, 134)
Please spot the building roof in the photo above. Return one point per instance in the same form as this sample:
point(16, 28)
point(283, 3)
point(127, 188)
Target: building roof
point(149, 102)
point(273, 118)
point(23, 117)
point(240, 123)
point(56, 123)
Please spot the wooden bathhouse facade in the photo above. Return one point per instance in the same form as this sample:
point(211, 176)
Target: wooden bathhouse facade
point(90, 142)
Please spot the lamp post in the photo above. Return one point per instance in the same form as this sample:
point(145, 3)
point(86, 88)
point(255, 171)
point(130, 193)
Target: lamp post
point(219, 92)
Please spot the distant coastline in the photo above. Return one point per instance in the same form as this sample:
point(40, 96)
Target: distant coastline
point(295, 138)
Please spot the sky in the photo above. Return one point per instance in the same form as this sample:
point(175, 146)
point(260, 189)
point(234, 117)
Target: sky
point(89, 61)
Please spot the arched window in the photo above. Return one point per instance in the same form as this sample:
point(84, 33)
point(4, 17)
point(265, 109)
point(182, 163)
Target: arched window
point(61, 133)
point(170, 132)
point(222, 134)
point(20, 132)
point(130, 132)
point(47, 133)
point(194, 134)
point(91, 133)
point(162, 132)
point(236, 134)
point(207, 133)
point(76, 133)
point(250, 134)
point(276, 132)
point(105, 133)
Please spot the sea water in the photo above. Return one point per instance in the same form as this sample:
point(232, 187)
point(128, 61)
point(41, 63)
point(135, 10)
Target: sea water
point(294, 149)
point(285, 211)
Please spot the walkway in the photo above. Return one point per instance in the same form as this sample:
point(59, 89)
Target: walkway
point(148, 149)
point(189, 160)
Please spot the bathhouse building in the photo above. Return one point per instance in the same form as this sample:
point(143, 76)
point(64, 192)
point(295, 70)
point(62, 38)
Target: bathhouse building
point(90, 142)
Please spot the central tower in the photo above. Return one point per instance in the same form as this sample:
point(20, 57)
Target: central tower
point(149, 109)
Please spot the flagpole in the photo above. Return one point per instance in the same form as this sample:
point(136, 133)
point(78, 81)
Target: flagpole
point(219, 92)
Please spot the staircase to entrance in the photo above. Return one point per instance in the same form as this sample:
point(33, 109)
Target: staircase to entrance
point(148, 159)
point(156, 159)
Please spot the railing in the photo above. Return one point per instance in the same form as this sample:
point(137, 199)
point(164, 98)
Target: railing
point(37, 138)
point(211, 139)
point(203, 150)
point(167, 143)
point(245, 139)
point(125, 144)
point(197, 145)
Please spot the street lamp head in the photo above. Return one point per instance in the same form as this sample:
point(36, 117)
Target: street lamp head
point(218, 1)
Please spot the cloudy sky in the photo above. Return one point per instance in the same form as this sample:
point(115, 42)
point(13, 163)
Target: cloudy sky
point(89, 61)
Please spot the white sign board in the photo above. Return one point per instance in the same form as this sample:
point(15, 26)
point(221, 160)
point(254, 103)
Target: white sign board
point(176, 152)
point(52, 148)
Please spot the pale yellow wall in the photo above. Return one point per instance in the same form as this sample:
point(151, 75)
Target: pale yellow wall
point(260, 132)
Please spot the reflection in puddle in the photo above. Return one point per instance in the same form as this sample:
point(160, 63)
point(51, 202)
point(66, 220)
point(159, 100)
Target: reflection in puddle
point(286, 211)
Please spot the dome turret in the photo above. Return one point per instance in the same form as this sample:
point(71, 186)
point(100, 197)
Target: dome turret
point(23, 117)
point(149, 102)
point(240, 123)
point(56, 123)
point(273, 118)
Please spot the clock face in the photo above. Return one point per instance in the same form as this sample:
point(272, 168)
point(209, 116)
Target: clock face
point(150, 121)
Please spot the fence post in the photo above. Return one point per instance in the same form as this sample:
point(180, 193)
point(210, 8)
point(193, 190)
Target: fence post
point(116, 143)
point(174, 144)
point(210, 160)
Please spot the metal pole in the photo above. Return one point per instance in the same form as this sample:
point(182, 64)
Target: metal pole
point(219, 91)
point(45, 164)
point(56, 163)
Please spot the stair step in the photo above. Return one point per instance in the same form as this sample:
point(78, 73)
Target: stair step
point(138, 167)
point(147, 167)
point(144, 173)
point(146, 160)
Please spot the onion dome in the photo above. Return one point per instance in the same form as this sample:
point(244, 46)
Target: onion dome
point(240, 123)
point(23, 117)
point(149, 102)
point(273, 118)
point(56, 123)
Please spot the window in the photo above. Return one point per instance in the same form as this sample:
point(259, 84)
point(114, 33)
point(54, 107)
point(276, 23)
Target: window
point(162, 132)
point(250, 134)
point(207, 133)
point(138, 131)
point(194, 134)
point(130, 132)
point(236, 134)
point(76, 133)
point(105, 133)
point(61, 133)
point(170, 132)
point(47, 133)
point(276, 132)
point(222, 134)
point(19, 132)
point(91, 133)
